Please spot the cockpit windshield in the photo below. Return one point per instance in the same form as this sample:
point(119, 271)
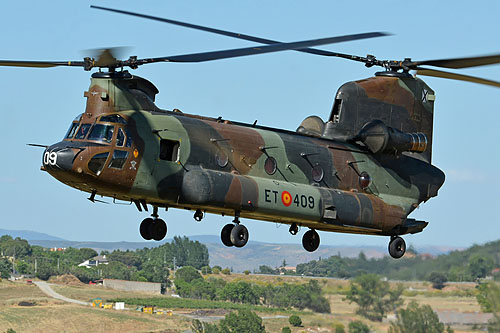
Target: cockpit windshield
point(102, 132)
point(82, 131)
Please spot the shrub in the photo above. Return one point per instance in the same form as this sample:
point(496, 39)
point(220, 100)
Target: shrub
point(438, 280)
point(339, 328)
point(358, 326)
point(286, 330)
point(295, 321)
point(417, 318)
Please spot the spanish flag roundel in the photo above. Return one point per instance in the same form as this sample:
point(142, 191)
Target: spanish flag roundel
point(286, 198)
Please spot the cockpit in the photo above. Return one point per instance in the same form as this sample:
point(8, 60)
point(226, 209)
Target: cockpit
point(102, 131)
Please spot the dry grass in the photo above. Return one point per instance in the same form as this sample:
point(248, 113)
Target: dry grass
point(50, 315)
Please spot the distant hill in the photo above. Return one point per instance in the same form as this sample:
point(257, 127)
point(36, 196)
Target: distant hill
point(29, 235)
point(250, 257)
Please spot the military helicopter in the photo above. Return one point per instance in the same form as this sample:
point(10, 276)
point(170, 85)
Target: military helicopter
point(363, 171)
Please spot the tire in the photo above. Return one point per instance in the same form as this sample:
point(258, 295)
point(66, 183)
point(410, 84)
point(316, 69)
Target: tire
point(225, 235)
point(145, 228)
point(397, 247)
point(158, 229)
point(310, 240)
point(239, 235)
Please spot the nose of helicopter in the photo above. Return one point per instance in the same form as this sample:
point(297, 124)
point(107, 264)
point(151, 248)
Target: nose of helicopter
point(58, 157)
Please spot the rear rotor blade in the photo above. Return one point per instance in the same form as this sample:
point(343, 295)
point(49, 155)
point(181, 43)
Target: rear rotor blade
point(454, 76)
point(460, 62)
point(216, 55)
point(40, 64)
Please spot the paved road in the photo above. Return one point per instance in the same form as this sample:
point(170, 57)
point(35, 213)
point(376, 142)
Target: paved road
point(45, 287)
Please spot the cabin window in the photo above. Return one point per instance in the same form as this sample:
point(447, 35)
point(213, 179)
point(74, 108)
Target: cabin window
point(270, 165)
point(120, 138)
point(119, 158)
point(97, 162)
point(82, 131)
point(71, 131)
point(102, 133)
point(169, 150)
point(317, 173)
point(221, 158)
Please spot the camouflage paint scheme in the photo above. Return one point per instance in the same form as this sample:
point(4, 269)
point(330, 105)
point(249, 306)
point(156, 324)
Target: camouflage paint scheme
point(189, 176)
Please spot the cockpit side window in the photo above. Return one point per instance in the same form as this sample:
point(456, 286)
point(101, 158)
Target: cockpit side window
point(102, 133)
point(120, 138)
point(130, 140)
point(71, 131)
point(82, 131)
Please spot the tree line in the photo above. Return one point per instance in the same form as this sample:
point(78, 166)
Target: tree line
point(474, 263)
point(147, 264)
point(190, 283)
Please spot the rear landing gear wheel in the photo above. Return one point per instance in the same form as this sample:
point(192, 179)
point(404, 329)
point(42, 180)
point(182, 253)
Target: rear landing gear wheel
point(310, 240)
point(158, 229)
point(225, 235)
point(239, 235)
point(397, 247)
point(145, 228)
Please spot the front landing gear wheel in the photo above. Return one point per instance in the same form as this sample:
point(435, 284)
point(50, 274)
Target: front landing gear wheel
point(225, 235)
point(310, 240)
point(158, 229)
point(145, 228)
point(239, 235)
point(397, 247)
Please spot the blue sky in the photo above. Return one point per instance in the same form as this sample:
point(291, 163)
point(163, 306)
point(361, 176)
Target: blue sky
point(281, 89)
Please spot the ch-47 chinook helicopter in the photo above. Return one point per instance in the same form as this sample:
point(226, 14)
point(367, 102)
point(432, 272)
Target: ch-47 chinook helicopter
point(362, 171)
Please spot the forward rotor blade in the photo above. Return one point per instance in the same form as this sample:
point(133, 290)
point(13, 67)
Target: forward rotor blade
point(232, 34)
point(40, 64)
point(454, 76)
point(460, 62)
point(216, 55)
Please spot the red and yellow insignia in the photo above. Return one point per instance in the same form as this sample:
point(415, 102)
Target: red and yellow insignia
point(136, 153)
point(286, 198)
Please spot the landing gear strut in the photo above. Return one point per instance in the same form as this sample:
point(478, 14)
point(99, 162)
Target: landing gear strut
point(234, 234)
point(153, 228)
point(294, 229)
point(310, 240)
point(397, 247)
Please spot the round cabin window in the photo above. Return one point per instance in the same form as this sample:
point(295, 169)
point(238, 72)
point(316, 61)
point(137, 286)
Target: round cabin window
point(221, 158)
point(317, 173)
point(270, 165)
point(364, 180)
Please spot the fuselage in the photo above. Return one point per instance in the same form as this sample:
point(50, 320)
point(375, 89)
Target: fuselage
point(170, 159)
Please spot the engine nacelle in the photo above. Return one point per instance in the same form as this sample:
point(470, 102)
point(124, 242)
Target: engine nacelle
point(380, 138)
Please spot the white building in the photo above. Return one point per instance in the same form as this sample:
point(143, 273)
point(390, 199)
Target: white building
point(97, 260)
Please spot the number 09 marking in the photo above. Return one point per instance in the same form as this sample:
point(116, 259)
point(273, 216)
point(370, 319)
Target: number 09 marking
point(50, 158)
